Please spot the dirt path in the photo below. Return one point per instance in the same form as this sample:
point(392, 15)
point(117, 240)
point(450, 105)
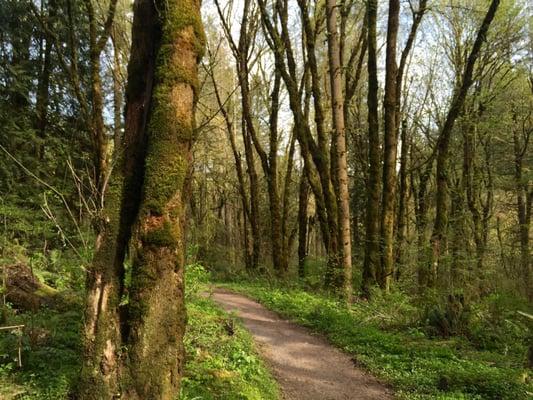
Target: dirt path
point(306, 366)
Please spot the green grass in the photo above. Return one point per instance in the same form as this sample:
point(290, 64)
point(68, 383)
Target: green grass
point(416, 366)
point(50, 356)
point(222, 363)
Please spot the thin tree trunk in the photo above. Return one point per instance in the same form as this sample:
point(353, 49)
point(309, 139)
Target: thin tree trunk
point(286, 201)
point(390, 149)
point(117, 93)
point(44, 84)
point(401, 231)
point(247, 251)
point(96, 122)
point(341, 168)
point(371, 261)
point(254, 195)
point(303, 200)
point(524, 196)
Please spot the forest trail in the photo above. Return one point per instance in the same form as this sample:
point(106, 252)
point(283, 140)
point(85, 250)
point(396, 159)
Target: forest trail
point(305, 366)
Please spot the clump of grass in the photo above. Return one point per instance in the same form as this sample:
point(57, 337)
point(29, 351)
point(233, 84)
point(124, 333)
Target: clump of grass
point(388, 343)
point(221, 361)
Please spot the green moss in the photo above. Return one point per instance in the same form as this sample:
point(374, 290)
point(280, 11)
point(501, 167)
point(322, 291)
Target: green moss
point(181, 14)
point(167, 235)
point(165, 174)
point(172, 73)
point(46, 291)
point(165, 122)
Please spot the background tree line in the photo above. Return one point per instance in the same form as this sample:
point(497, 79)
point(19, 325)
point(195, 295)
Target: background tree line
point(436, 108)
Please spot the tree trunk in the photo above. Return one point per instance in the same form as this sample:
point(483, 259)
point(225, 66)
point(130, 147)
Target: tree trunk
point(101, 370)
point(371, 261)
point(303, 200)
point(138, 353)
point(42, 100)
point(254, 196)
point(96, 122)
point(341, 167)
point(524, 197)
point(390, 149)
point(401, 230)
point(156, 313)
point(117, 94)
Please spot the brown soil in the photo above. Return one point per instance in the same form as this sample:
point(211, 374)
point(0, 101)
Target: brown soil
point(305, 366)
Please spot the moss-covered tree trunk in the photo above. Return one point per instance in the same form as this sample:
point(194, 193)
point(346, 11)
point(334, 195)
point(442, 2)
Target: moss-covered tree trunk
point(371, 261)
point(136, 352)
point(101, 370)
point(156, 316)
point(303, 200)
point(390, 147)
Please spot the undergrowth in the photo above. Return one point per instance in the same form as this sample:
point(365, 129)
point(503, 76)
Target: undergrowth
point(221, 363)
point(385, 336)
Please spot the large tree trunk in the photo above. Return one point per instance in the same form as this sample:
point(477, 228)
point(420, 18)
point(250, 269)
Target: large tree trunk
point(156, 313)
point(138, 353)
point(101, 371)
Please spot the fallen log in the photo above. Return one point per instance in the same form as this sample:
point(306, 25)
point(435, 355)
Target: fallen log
point(23, 290)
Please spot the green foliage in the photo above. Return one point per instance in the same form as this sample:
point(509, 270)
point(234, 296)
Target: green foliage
point(50, 356)
point(196, 276)
point(450, 316)
point(497, 326)
point(221, 360)
point(387, 339)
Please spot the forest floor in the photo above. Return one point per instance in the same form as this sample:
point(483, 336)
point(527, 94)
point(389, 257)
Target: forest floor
point(305, 365)
point(388, 338)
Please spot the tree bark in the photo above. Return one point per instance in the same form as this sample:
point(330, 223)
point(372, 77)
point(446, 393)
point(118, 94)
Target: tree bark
point(156, 313)
point(391, 106)
point(101, 369)
point(303, 223)
point(96, 121)
point(524, 197)
point(341, 167)
point(43, 96)
point(371, 261)
point(137, 352)
point(401, 230)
